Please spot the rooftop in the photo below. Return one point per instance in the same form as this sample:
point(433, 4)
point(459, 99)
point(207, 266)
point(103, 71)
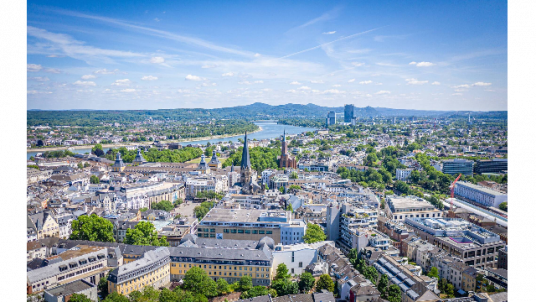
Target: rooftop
point(70, 288)
point(246, 215)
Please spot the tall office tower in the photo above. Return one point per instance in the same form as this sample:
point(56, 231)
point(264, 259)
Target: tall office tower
point(349, 113)
point(332, 119)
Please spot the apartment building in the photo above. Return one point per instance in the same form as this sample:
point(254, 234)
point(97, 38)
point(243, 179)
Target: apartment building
point(297, 256)
point(403, 174)
point(399, 208)
point(480, 194)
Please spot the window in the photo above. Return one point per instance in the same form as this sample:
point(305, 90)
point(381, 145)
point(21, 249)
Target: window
point(268, 232)
point(233, 231)
point(247, 231)
point(300, 264)
point(240, 231)
point(255, 232)
point(292, 271)
point(261, 232)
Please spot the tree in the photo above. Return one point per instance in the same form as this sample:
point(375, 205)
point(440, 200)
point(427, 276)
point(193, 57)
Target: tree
point(383, 286)
point(167, 296)
point(144, 234)
point(245, 283)
point(433, 272)
point(94, 179)
point(394, 293)
point(197, 281)
point(254, 292)
point(294, 187)
point(352, 256)
point(92, 228)
point(293, 175)
point(164, 205)
point(504, 206)
point(183, 296)
point(80, 165)
point(281, 272)
point(202, 210)
point(450, 290)
point(97, 150)
point(442, 284)
point(79, 298)
point(314, 233)
point(307, 282)
point(222, 286)
point(285, 287)
point(326, 283)
point(103, 284)
point(282, 189)
point(116, 297)
point(289, 208)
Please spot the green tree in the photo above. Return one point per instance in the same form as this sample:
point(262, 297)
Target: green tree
point(282, 189)
point(222, 286)
point(92, 228)
point(80, 165)
point(289, 208)
point(450, 290)
point(94, 179)
point(254, 292)
point(245, 283)
point(167, 296)
point(325, 282)
point(281, 272)
point(103, 284)
point(202, 210)
point(197, 281)
point(163, 205)
point(144, 234)
point(285, 287)
point(116, 297)
point(383, 285)
point(307, 282)
point(394, 293)
point(433, 272)
point(79, 298)
point(183, 296)
point(504, 206)
point(97, 150)
point(352, 256)
point(293, 175)
point(314, 233)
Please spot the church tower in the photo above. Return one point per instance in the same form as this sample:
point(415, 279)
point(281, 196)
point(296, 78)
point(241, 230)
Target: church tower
point(286, 160)
point(245, 165)
point(119, 165)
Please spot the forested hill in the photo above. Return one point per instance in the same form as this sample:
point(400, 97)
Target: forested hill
point(255, 111)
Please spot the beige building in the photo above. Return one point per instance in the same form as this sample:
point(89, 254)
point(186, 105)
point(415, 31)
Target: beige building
point(399, 208)
point(43, 224)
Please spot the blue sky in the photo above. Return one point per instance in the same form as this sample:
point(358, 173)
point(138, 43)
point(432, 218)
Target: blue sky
point(434, 55)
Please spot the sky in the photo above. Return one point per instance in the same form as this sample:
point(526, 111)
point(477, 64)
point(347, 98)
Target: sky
point(429, 55)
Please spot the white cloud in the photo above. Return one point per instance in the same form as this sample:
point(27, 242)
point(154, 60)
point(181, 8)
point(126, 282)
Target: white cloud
point(124, 82)
point(330, 32)
point(257, 55)
point(149, 78)
point(365, 82)
point(295, 83)
point(194, 78)
point(357, 64)
point(228, 74)
point(481, 84)
point(336, 85)
point(333, 91)
point(88, 77)
point(38, 92)
point(52, 70)
point(383, 92)
point(106, 71)
point(250, 83)
point(157, 60)
point(157, 20)
point(39, 79)
point(85, 83)
point(436, 83)
point(317, 82)
point(128, 90)
point(305, 88)
point(208, 84)
point(462, 86)
point(457, 93)
point(34, 67)
point(351, 81)
point(422, 64)
point(415, 82)
point(184, 91)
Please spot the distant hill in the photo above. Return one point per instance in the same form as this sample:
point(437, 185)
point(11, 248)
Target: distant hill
point(255, 111)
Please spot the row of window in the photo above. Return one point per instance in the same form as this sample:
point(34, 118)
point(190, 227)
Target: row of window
point(204, 266)
point(417, 216)
point(240, 231)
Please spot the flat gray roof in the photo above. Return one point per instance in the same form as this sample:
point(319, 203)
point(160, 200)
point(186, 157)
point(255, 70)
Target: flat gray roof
point(70, 288)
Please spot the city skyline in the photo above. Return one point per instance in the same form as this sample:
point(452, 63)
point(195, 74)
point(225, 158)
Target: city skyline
point(136, 55)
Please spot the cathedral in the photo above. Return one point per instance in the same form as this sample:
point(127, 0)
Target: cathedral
point(247, 175)
point(286, 160)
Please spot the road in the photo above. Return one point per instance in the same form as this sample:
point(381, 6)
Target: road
point(185, 209)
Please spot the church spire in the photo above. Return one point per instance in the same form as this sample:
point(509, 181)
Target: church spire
point(246, 163)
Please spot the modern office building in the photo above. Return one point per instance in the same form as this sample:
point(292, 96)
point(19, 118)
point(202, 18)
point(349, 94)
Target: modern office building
point(480, 194)
point(473, 245)
point(152, 269)
point(349, 113)
point(497, 165)
point(331, 119)
point(399, 208)
point(457, 166)
point(250, 224)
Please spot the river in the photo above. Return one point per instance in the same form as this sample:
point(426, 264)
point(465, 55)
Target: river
point(270, 129)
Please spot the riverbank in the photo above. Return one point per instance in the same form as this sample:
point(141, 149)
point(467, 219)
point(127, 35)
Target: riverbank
point(186, 140)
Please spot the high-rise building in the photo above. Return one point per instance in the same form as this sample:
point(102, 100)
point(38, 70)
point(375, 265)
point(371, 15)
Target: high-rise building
point(349, 113)
point(331, 119)
point(286, 160)
point(496, 165)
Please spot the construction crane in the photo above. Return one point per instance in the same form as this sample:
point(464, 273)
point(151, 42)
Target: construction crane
point(452, 192)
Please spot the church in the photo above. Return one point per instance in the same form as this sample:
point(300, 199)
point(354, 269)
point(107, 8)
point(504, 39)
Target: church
point(247, 175)
point(286, 160)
